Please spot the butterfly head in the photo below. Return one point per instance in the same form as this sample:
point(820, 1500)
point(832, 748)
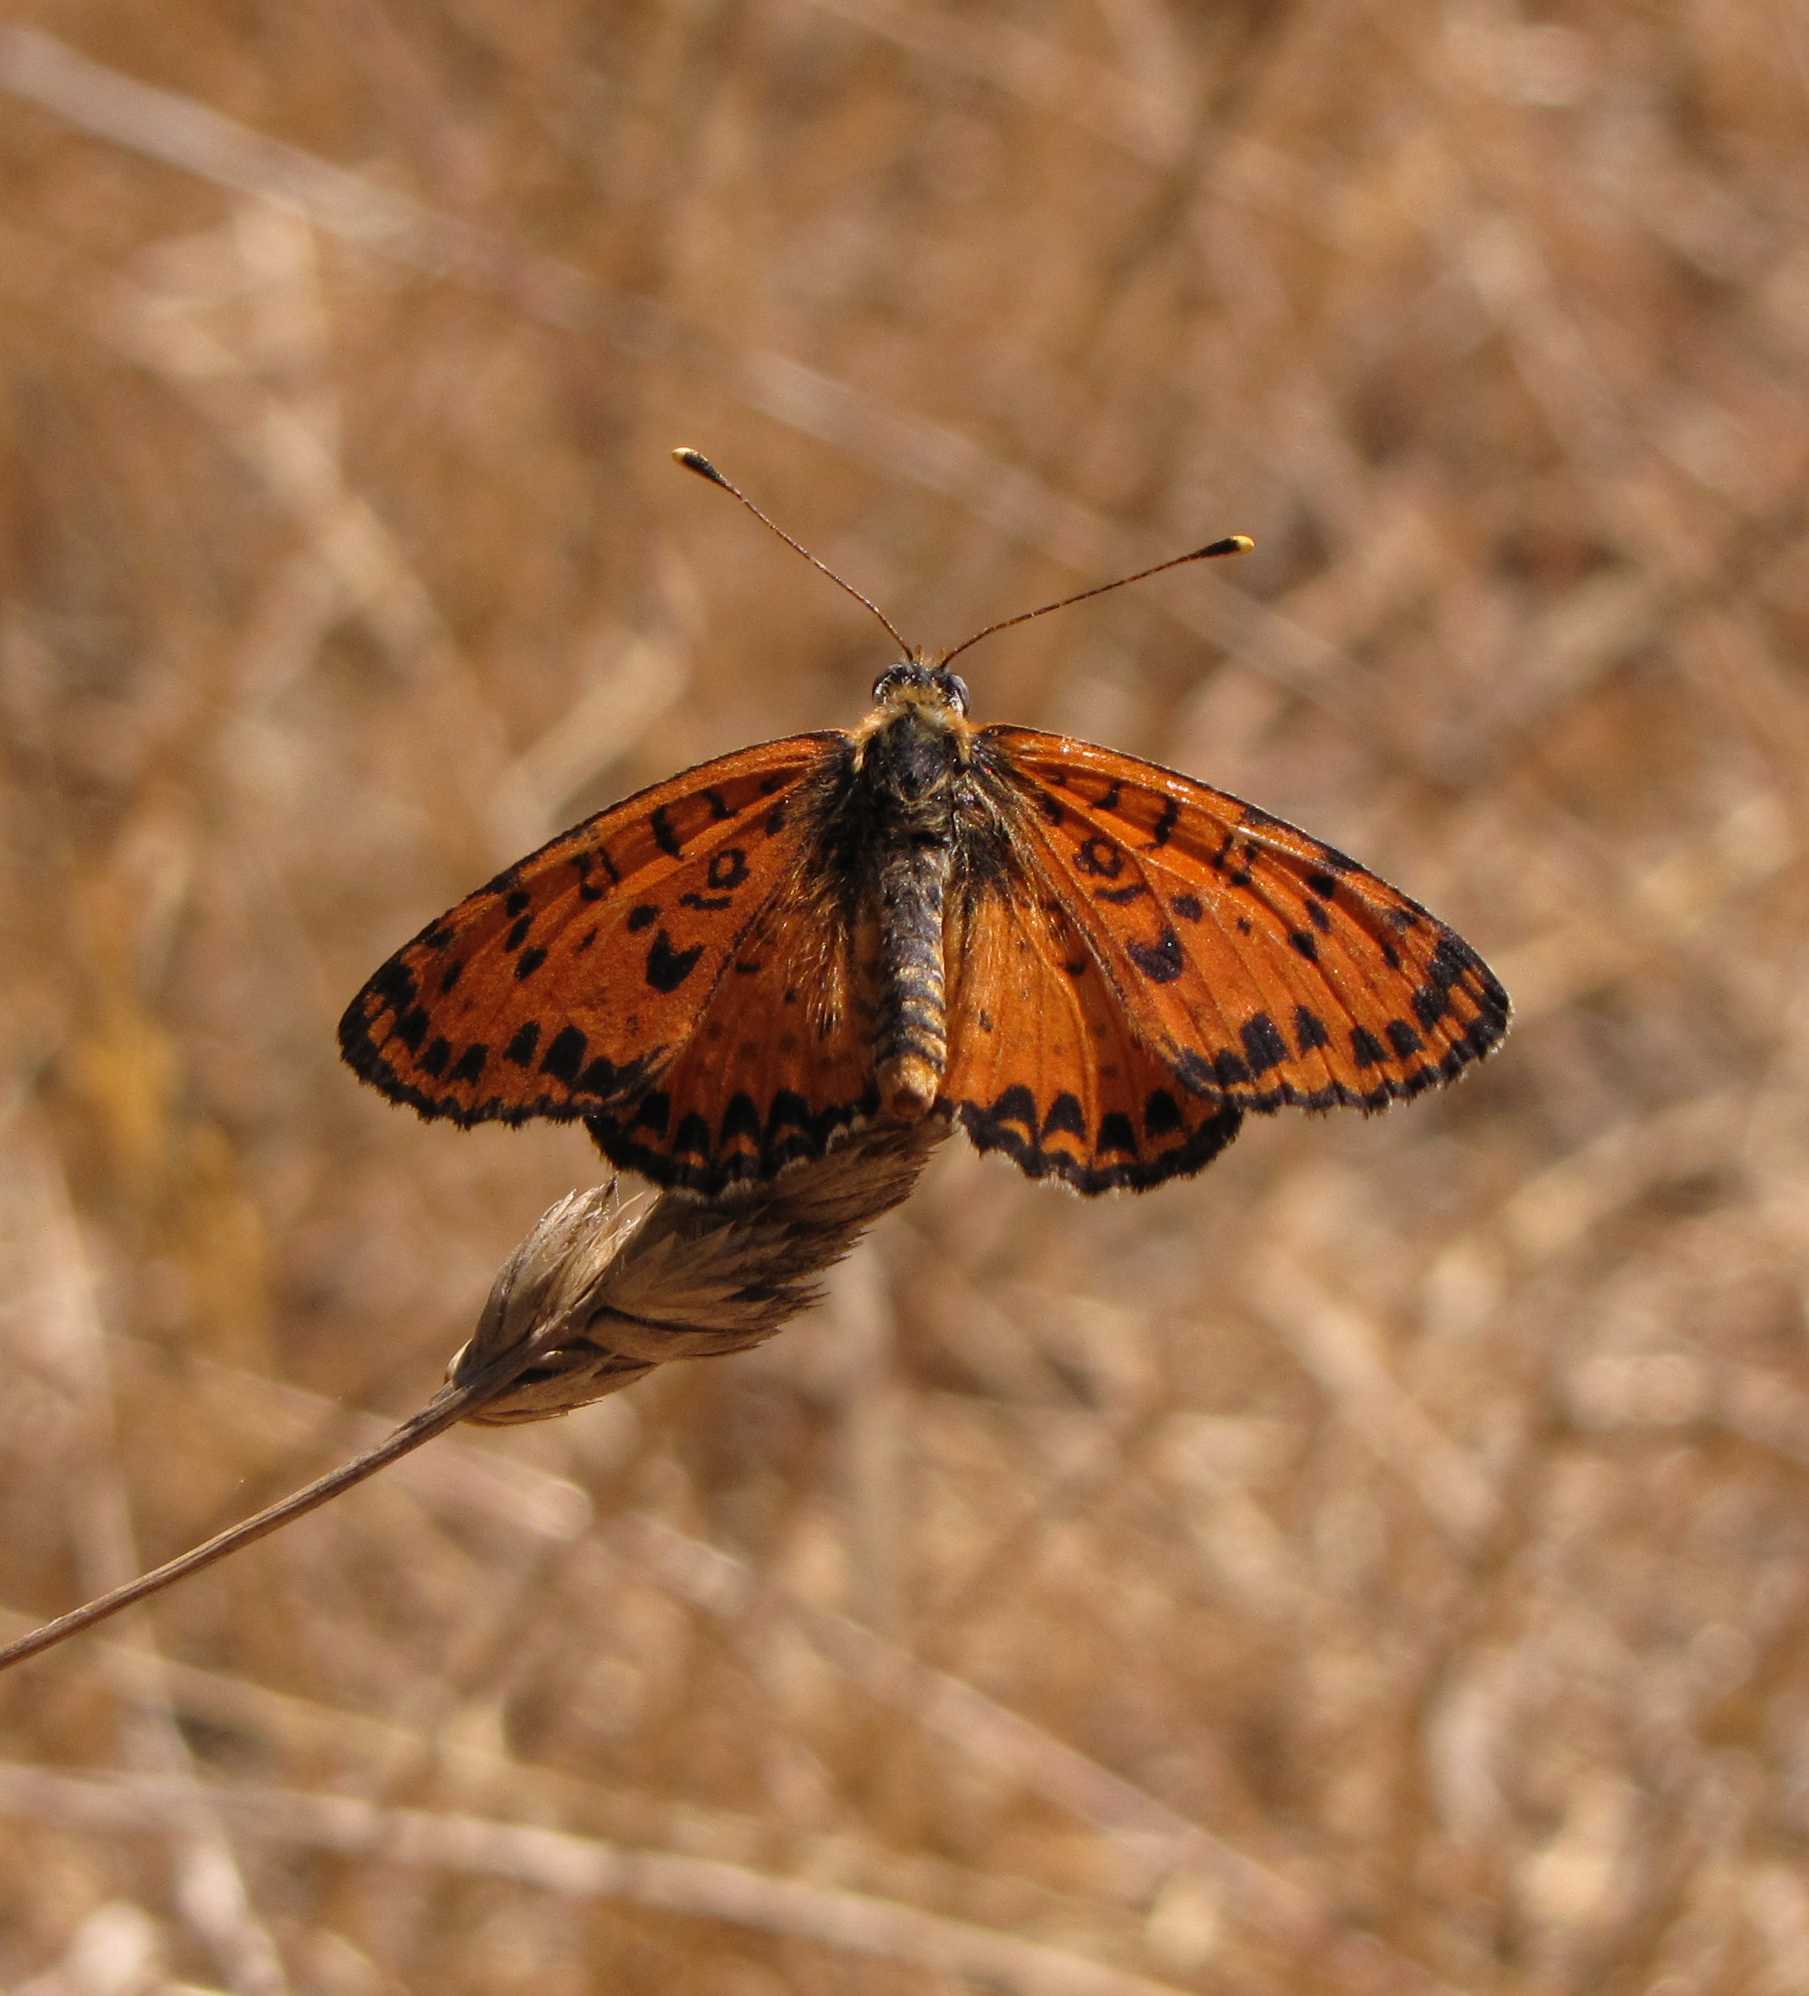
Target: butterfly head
point(915, 682)
point(918, 737)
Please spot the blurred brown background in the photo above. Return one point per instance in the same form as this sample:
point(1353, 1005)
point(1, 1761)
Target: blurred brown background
point(1379, 1565)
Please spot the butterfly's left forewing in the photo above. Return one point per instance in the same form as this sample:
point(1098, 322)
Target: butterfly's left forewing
point(577, 976)
point(1263, 966)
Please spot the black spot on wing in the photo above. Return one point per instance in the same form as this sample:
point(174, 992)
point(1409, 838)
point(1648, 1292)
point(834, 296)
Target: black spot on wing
point(1013, 1106)
point(584, 864)
point(566, 1055)
point(1309, 1030)
point(1065, 1118)
point(1405, 1041)
point(741, 1120)
point(1431, 1003)
point(788, 1111)
point(393, 987)
point(1264, 1046)
point(1116, 1135)
point(692, 1137)
point(667, 968)
point(1161, 1113)
point(1453, 961)
point(1161, 961)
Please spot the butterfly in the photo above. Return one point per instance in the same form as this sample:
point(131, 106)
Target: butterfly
point(1095, 965)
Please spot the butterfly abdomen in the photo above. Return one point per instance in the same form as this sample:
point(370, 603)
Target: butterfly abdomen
point(910, 1039)
point(908, 765)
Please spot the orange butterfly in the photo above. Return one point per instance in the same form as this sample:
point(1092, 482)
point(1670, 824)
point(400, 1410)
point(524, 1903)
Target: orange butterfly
point(1095, 964)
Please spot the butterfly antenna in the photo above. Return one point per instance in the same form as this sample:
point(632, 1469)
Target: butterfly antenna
point(1231, 544)
point(694, 460)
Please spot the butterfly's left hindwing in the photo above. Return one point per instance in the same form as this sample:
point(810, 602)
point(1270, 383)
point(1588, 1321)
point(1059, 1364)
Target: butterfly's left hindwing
point(574, 979)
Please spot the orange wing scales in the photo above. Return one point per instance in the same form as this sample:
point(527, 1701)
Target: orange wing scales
point(1044, 1066)
point(1265, 967)
point(573, 979)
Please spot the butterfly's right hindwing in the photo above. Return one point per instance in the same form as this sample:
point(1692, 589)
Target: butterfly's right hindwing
point(1044, 1064)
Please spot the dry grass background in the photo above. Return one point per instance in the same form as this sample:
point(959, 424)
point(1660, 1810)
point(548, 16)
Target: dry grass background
point(1379, 1565)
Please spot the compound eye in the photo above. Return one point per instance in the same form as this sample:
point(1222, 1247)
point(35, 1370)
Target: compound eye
point(887, 682)
point(958, 687)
